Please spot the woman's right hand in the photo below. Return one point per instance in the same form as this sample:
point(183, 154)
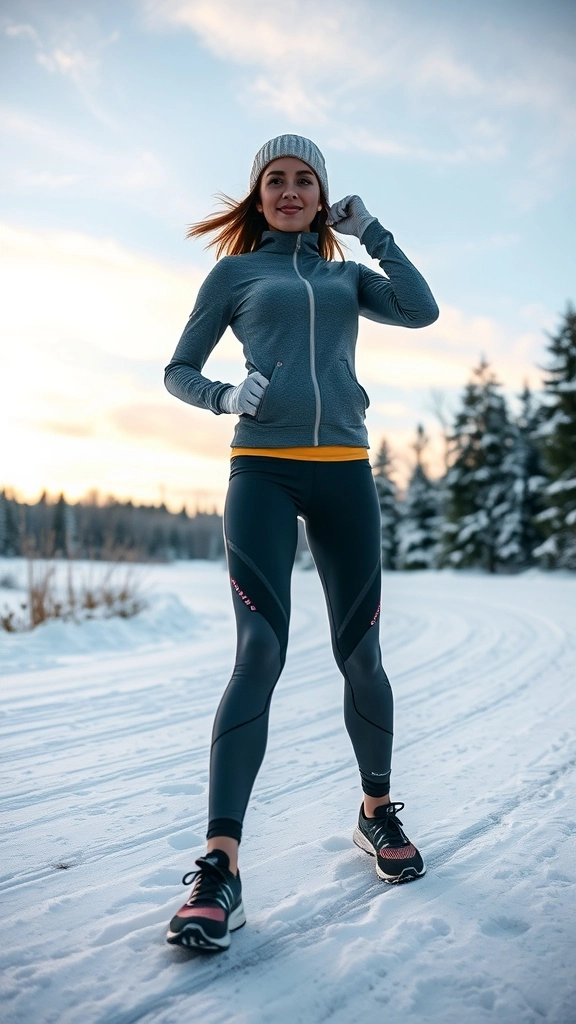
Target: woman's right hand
point(246, 397)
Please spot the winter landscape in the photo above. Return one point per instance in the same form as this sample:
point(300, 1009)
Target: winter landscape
point(105, 733)
point(122, 123)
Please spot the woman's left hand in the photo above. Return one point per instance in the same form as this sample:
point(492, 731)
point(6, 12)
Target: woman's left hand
point(349, 216)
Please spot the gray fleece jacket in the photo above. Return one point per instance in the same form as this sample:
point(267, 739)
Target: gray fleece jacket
point(296, 316)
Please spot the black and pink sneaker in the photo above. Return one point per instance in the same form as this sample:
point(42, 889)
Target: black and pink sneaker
point(213, 909)
point(397, 859)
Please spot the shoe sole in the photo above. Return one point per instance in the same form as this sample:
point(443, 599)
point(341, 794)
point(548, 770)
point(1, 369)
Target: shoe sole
point(406, 875)
point(193, 936)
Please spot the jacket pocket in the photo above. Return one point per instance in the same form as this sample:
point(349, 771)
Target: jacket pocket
point(276, 406)
point(364, 393)
point(344, 401)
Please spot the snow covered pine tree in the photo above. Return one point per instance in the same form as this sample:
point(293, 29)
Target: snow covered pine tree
point(419, 526)
point(479, 502)
point(557, 435)
point(521, 531)
point(389, 510)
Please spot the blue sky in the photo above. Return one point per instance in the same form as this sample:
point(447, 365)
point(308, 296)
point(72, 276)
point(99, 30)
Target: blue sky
point(120, 121)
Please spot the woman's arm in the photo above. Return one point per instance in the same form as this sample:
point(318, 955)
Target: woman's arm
point(208, 320)
point(403, 297)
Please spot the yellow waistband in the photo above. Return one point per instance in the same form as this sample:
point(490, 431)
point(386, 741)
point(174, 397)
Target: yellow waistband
point(321, 453)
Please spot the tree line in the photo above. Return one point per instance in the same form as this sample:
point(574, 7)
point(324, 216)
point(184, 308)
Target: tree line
point(507, 500)
point(106, 530)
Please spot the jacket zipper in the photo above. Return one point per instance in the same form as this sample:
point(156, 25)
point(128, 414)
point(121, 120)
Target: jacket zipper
point(312, 344)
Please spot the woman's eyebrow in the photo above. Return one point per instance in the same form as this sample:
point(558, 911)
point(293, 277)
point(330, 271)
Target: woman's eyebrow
point(299, 171)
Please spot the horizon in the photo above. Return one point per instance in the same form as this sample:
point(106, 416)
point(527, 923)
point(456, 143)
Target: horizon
point(402, 466)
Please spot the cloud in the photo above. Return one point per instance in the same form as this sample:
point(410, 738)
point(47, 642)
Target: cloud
point(452, 76)
point(369, 43)
point(250, 34)
point(67, 429)
point(93, 293)
point(86, 328)
point(350, 69)
point(15, 31)
point(63, 53)
point(79, 162)
point(393, 409)
point(163, 424)
point(175, 426)
point(72, 48)
point(125, 467)
point(291, 57)
point(443, 355)
point(97, 324)
point(71, 63)
point(287, 97)
point(368, 142)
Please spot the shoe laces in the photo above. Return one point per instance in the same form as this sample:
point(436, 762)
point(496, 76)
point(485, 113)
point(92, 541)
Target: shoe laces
point(389, 823)
point(206, 881)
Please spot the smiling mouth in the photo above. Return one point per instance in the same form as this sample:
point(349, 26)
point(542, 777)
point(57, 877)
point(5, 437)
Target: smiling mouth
point(290, 209)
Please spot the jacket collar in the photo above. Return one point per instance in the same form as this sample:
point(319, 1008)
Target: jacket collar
point(287, 241)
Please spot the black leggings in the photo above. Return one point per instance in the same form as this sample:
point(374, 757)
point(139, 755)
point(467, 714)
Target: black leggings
point(338, 503)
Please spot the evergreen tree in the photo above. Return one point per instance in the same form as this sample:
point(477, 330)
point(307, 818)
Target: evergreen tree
point(520, 531)
point(419, 525)
point(557, 435)
point(389, 510)
point(59, 539)
point(9, 533)
point(478, 482)
point(106, 530)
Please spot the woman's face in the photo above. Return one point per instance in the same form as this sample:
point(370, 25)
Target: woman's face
point(289, 195)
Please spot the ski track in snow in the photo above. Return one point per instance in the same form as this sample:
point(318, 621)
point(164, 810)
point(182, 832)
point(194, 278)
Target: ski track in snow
point(104, 763)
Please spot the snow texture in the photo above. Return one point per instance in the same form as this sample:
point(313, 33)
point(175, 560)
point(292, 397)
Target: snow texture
point(105, 749)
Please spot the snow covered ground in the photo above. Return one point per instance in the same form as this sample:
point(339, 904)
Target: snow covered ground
point(105, 730)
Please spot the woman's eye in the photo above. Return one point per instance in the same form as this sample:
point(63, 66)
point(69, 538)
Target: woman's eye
point(280, 181)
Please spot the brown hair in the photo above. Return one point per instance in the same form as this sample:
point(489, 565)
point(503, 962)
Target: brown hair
point(239, 228)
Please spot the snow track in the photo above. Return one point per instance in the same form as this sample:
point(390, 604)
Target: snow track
point(105, 753)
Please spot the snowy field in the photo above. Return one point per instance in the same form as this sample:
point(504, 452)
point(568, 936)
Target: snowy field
point(105, 731)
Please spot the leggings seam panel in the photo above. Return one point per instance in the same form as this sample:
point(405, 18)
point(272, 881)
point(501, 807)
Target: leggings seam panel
point(248, 721)
point(359, 713)
point(358, 600)
point(252, 565)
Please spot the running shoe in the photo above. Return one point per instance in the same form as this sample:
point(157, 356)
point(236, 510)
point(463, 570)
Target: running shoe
point(397, 859)
point(213, 909)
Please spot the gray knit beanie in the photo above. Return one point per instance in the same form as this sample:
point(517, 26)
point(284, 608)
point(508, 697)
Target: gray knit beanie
point(290, 145)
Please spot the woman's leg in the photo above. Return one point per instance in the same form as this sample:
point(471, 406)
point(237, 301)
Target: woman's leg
point(260, 522)
point(343, 529)
point(344, 534)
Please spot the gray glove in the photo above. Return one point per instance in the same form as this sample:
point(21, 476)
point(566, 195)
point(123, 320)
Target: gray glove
point(246, 397)
point(349, 216)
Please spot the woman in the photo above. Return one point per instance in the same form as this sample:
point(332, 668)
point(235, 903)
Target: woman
point(299, 449)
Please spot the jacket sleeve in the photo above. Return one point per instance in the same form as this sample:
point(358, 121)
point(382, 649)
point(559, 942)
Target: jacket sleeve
point(212, 313)
point(401, 298)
